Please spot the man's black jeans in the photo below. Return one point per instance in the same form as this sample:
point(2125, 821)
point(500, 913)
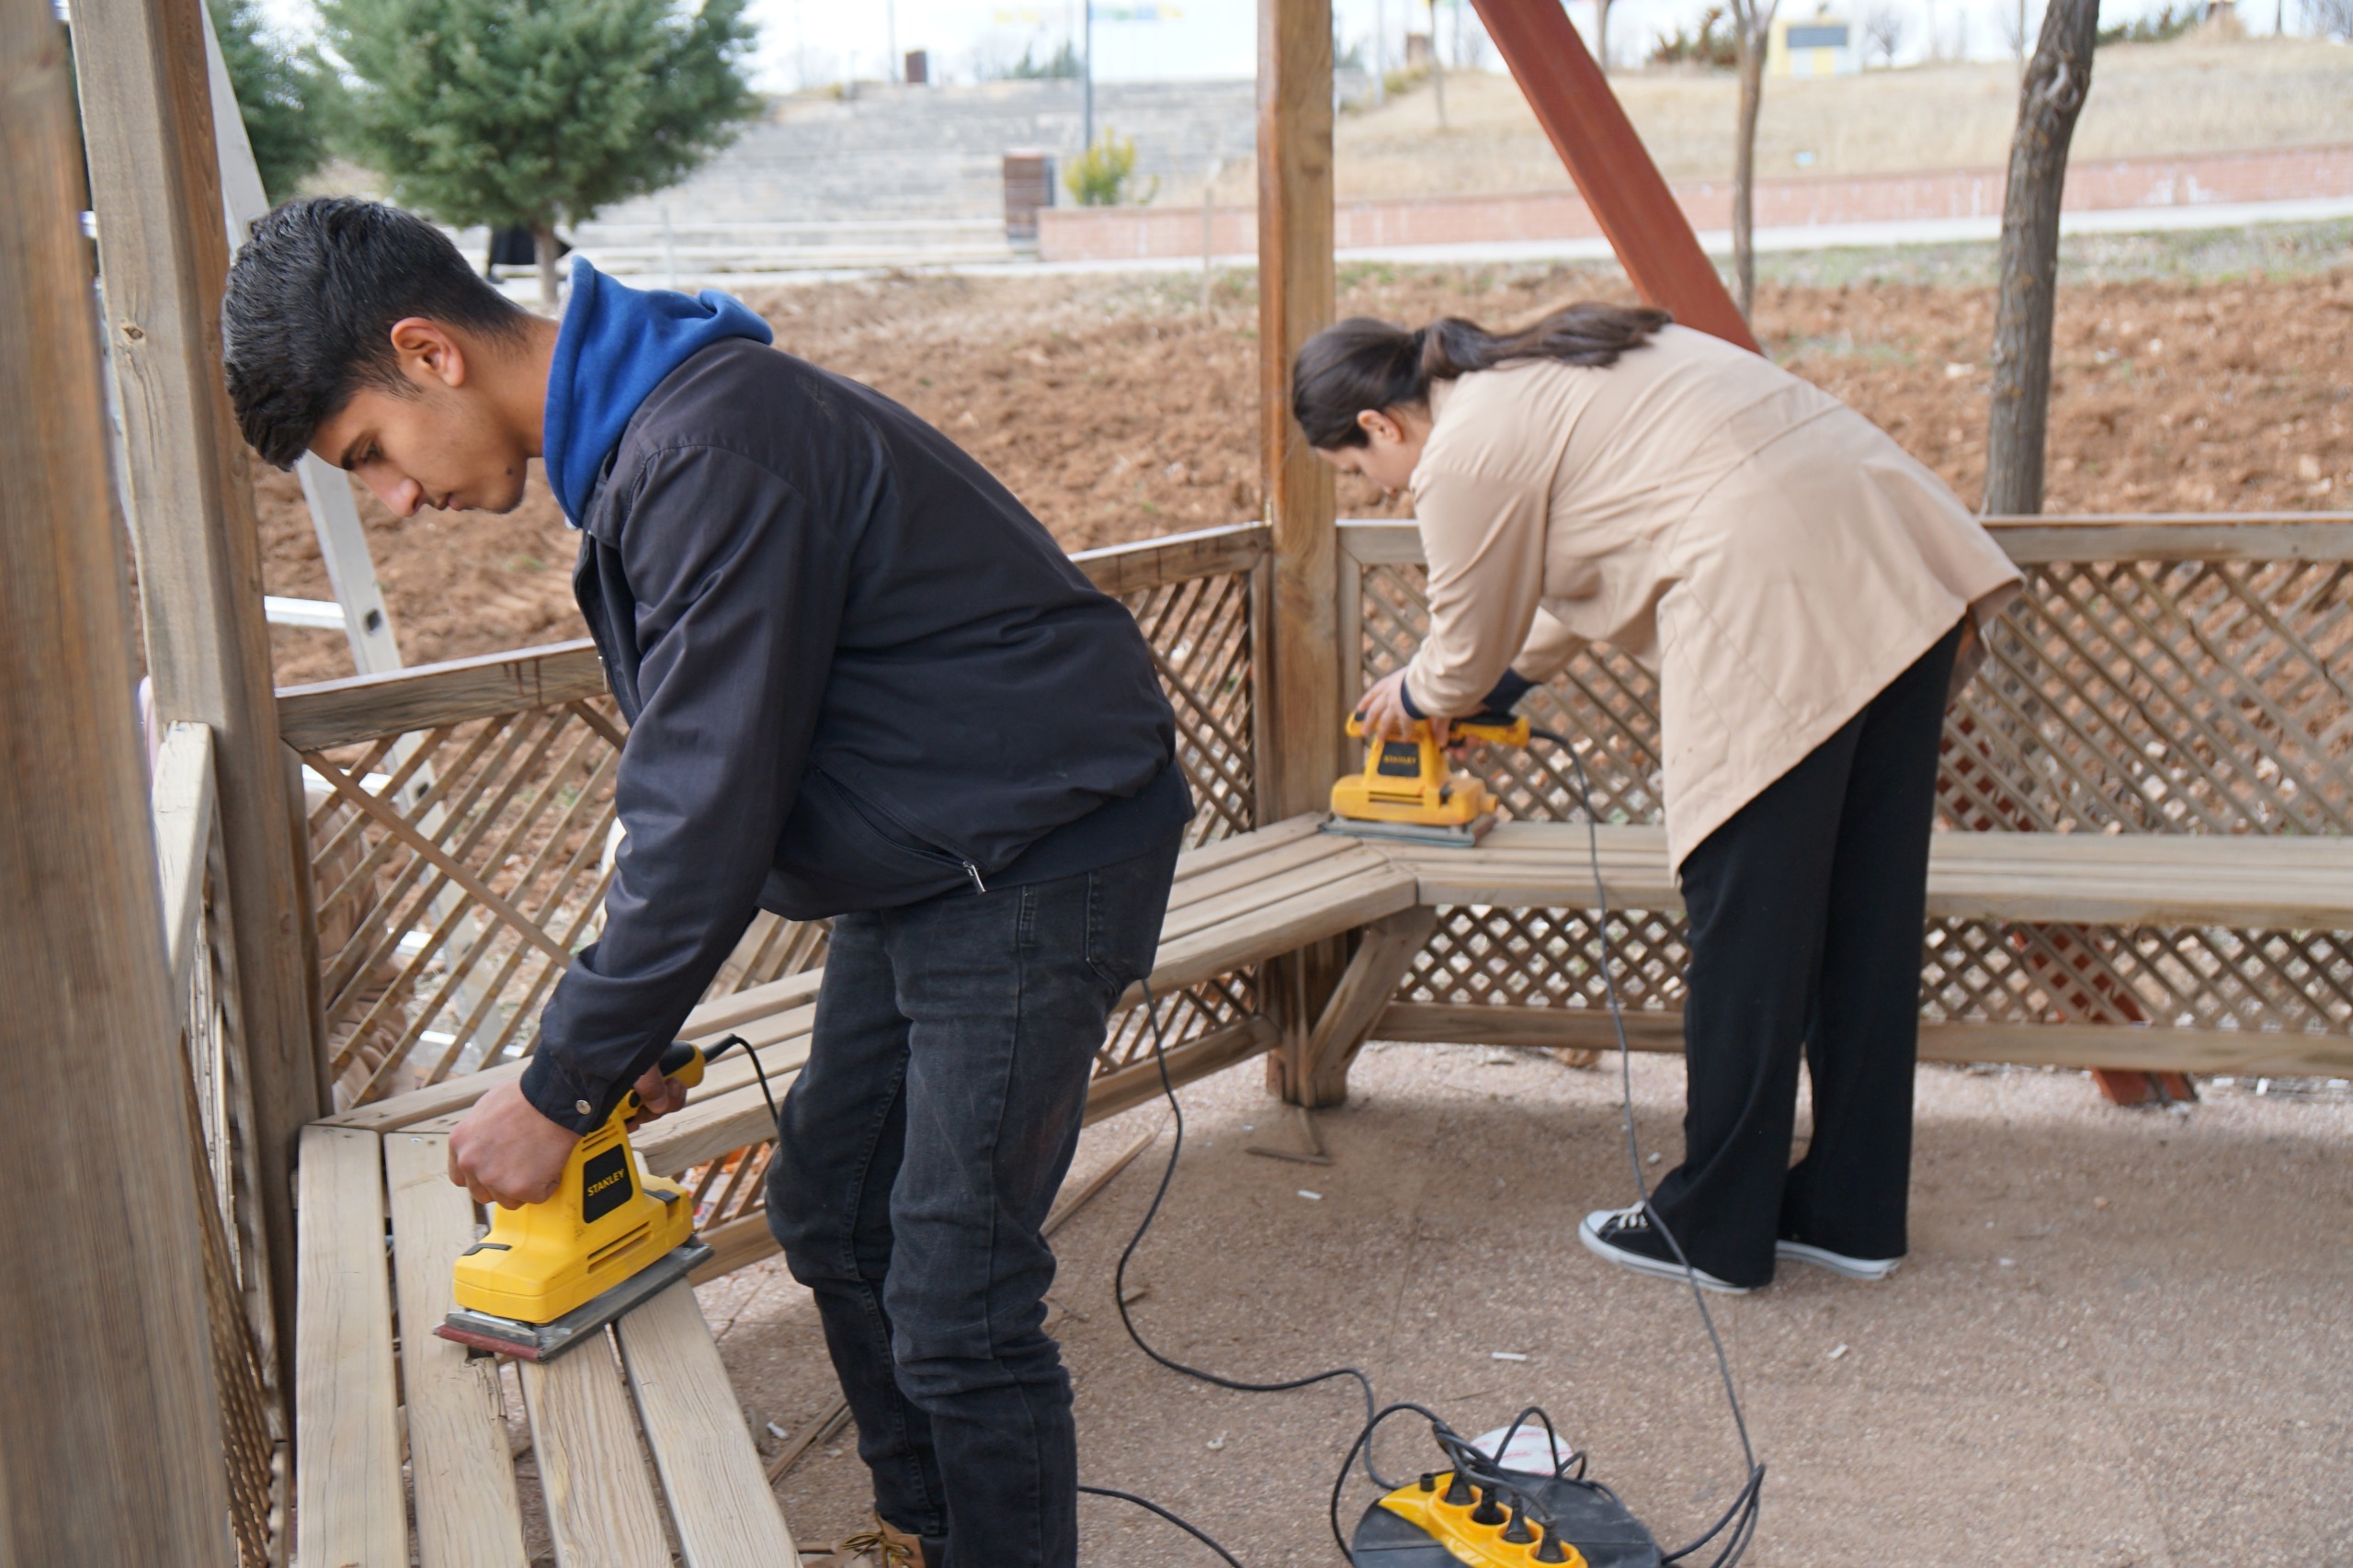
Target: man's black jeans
point(921, 1149)
point(1806, 912)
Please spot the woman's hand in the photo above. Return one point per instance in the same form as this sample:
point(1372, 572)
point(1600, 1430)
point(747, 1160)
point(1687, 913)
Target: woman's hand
point(1381, 710)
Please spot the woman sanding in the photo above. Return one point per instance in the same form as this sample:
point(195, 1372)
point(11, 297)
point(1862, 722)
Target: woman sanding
point(1808, 596)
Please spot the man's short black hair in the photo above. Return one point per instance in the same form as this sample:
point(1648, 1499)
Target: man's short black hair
point(312, 300)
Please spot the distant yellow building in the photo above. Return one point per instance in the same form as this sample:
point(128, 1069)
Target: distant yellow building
point(1820, 45)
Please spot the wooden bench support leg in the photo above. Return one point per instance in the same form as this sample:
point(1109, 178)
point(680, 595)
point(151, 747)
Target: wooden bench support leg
point(1388, 946)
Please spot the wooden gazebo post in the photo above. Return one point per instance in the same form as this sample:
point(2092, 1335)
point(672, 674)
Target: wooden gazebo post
point(1297, 646)
point(163, 255)
point(110, 1424)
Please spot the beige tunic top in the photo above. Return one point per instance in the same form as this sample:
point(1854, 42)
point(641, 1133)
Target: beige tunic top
point(1770, 554)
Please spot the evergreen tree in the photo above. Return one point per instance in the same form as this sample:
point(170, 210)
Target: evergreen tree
point(279, 91)
point(536, 112)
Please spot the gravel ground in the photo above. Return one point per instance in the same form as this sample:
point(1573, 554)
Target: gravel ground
point(2121, 1339)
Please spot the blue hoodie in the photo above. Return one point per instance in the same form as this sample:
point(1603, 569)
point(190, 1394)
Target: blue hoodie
point(616, 344)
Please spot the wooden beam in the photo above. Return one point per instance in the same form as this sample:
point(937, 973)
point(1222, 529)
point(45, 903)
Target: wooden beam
point(1611, 167)
point(1300, 675)
point(110, 1430)
point(1321, 1076)
point(155, 183)
point(348, 1501)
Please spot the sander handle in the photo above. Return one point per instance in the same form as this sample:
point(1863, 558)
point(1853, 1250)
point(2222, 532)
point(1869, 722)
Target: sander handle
point(682, 1061)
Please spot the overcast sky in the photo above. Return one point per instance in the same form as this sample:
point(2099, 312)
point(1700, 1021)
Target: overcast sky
point(823, 40)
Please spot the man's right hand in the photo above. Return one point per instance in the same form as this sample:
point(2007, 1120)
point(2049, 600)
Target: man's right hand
point(505, 1153)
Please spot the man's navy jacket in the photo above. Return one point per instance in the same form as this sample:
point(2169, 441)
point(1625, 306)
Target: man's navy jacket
point(858, 673)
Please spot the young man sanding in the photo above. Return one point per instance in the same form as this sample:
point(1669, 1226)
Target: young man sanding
point(862, 683)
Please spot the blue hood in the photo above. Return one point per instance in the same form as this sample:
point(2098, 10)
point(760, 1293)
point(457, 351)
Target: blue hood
point(617, 344)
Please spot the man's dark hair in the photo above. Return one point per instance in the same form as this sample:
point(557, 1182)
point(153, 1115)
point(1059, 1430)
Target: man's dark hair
point(311, 298)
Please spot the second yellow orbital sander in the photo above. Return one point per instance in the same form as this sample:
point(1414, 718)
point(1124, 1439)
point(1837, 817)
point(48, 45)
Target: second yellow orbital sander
point(550, 1274)
point(1410, 789)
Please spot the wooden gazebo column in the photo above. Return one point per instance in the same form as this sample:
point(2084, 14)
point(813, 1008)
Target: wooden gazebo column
point(1297, 646)
point(163, 257)
point(109, 1424)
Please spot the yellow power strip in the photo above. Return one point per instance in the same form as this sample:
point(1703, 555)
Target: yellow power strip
point(1479, 1546)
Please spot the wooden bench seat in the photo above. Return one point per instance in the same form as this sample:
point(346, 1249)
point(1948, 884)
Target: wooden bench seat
point(2094, 879)
point(2127, 880)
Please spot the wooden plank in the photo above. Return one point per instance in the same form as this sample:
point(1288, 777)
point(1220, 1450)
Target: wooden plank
point(2184, 536)
point(468, 1515)
point(182, 802)
point(1121, 569)
point(2082, 1046)
point(349, 1504)
point(1353, 859)
point(601, 1512)
point(719, 1501)
point(1328, 912)
point(365, 708)
point(1622, 187)
point(1127, 1088)
point(1302, 851)
point(163, 255)
point(1242, 846)
point(111, 1428)
point(2041, 540)
point(734, 1243)
point(709, 1127)
point(1380, 961)
point(1298, 677)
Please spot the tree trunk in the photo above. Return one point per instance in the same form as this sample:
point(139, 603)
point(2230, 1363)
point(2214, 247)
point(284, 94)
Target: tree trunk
point(1601, 34)
point(543, 247)
point(2056, 83)
point(1438, 68)
point(1753, 25)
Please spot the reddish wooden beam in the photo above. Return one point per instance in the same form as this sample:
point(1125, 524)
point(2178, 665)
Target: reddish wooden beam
point(1613, 169)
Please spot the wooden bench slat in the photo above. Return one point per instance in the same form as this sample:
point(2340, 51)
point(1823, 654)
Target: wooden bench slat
point(1286, 857)
point(1354, 859)
point(711, 1124)
point(719, 1500)
point(601, 1512)
point(468, 1515)
point(1242, 846)
point(1282, 927)
point(349, 1503)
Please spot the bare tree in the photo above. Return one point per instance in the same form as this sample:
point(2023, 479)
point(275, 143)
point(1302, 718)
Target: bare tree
point(1601, 33)
point(2328, 19)
point(1883, 30)
point(2057, 80)
point(2009, 25)
point(1752, 26)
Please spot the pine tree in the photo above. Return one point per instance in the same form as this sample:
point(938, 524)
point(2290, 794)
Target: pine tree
point(279, 91)
point(536, 113)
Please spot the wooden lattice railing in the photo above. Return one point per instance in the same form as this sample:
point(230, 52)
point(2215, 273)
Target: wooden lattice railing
point(195, 901)
point(460, 814)
point(2159, 676)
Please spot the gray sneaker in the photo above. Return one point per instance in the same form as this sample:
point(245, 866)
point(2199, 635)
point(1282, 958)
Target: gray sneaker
point(1836, 1262)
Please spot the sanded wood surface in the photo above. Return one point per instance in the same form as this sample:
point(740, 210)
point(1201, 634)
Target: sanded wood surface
point(468, 1515)
point(366, 708)
point(1120, 569)
point(1328, 909)
point(719, 1501)
point(601, 1509)
point(349, 1504)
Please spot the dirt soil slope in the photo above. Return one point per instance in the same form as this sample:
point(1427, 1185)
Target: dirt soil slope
point(1118, 409)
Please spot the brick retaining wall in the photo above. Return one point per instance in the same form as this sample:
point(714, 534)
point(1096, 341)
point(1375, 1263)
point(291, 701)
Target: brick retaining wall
point(1118, 233)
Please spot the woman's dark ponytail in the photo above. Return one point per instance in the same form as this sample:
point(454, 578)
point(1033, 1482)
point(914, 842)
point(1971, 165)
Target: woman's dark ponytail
point(1366, 363)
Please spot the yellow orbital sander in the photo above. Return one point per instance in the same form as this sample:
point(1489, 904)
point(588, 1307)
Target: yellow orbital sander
point(550, 1274)
point(1410, 791)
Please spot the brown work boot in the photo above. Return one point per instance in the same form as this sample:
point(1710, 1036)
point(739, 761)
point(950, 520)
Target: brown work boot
point(881, 1547)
